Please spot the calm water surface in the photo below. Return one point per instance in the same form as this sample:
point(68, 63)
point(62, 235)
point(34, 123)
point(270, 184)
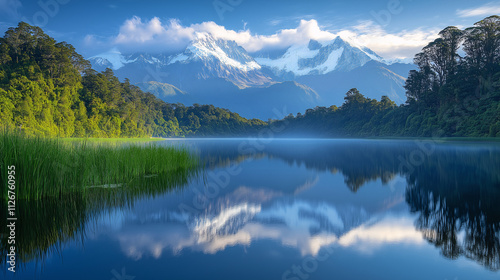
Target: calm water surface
point(285, 209)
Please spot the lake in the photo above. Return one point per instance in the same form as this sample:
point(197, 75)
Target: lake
point(284, 209)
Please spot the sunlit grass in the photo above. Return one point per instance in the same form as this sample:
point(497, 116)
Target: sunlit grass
point(50, 167)
point(62, 187)
point(112, 140)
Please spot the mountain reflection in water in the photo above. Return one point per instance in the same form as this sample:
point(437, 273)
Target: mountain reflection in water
point(364, 196)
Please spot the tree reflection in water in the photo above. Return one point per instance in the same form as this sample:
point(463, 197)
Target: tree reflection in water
point(456, 196)
point(455, 190)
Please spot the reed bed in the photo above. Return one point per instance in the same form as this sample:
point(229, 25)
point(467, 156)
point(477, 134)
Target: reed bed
point(48, 167)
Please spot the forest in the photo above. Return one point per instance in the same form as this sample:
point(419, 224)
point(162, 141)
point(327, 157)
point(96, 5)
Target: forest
point(48, 89)
point(454, 93)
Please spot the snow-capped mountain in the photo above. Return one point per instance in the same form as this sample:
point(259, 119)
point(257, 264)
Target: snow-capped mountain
point(207, 48)
point(318, 58)
point(204, 58)
point(373, 80)
point(207, 57)
point(220, 72)
point(112, 59)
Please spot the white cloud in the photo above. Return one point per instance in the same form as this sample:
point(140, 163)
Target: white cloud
point(154, 35)
point(275, 22)
point(404, 44)
point(390, 229)
point(295, 232)
point(484, 10)
point(173, 35)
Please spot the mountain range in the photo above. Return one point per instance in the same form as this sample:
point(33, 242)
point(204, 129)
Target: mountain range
point(220, 72)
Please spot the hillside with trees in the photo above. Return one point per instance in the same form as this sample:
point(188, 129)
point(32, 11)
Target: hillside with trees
point(47, 88)
point(449, 95)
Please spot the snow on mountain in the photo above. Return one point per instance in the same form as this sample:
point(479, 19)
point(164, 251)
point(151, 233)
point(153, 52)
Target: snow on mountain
point(207, 57)
point(112, 59)
point(178, 58)
point(99, 63)
point(211, 70)
point(223, 57)
point(145, 59)
point(206, 47)
point(204, 58)
point(289, 62)
point(317, 58)
point(408, 60)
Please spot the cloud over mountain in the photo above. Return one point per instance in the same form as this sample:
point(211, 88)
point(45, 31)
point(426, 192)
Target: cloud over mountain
point(156, 36)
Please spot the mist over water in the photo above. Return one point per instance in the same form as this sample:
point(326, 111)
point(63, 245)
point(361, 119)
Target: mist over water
point(287, 209)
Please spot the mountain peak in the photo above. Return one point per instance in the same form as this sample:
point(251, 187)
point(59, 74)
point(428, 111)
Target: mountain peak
point(316, 58)
point(207, 48)
point(112, 59)
point(352, 42)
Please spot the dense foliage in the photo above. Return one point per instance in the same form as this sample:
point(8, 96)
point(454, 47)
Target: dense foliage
point(47, 88)
point(449, 94)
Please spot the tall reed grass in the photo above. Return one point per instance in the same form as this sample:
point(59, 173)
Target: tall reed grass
point(52, 168)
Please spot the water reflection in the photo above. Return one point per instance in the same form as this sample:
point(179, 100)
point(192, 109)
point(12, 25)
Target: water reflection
point(461, 217)
point(454, 188)
point(303, 225)
point(43, 227)
point(301, 195)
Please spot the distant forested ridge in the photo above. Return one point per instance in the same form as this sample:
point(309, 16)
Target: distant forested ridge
point(47, 88)
point(449, 95)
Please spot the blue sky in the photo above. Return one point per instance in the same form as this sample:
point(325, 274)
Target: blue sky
point(392, 28)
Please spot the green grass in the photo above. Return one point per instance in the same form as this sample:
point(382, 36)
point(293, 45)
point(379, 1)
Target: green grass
point(112, 140)
point(48, 167)
point(62, 186)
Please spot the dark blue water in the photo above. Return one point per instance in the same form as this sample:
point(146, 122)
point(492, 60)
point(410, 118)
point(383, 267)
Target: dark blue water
point(294, 209)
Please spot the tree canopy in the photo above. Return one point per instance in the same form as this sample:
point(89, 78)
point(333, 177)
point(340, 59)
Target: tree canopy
point(448, 95)
point(47, 88)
